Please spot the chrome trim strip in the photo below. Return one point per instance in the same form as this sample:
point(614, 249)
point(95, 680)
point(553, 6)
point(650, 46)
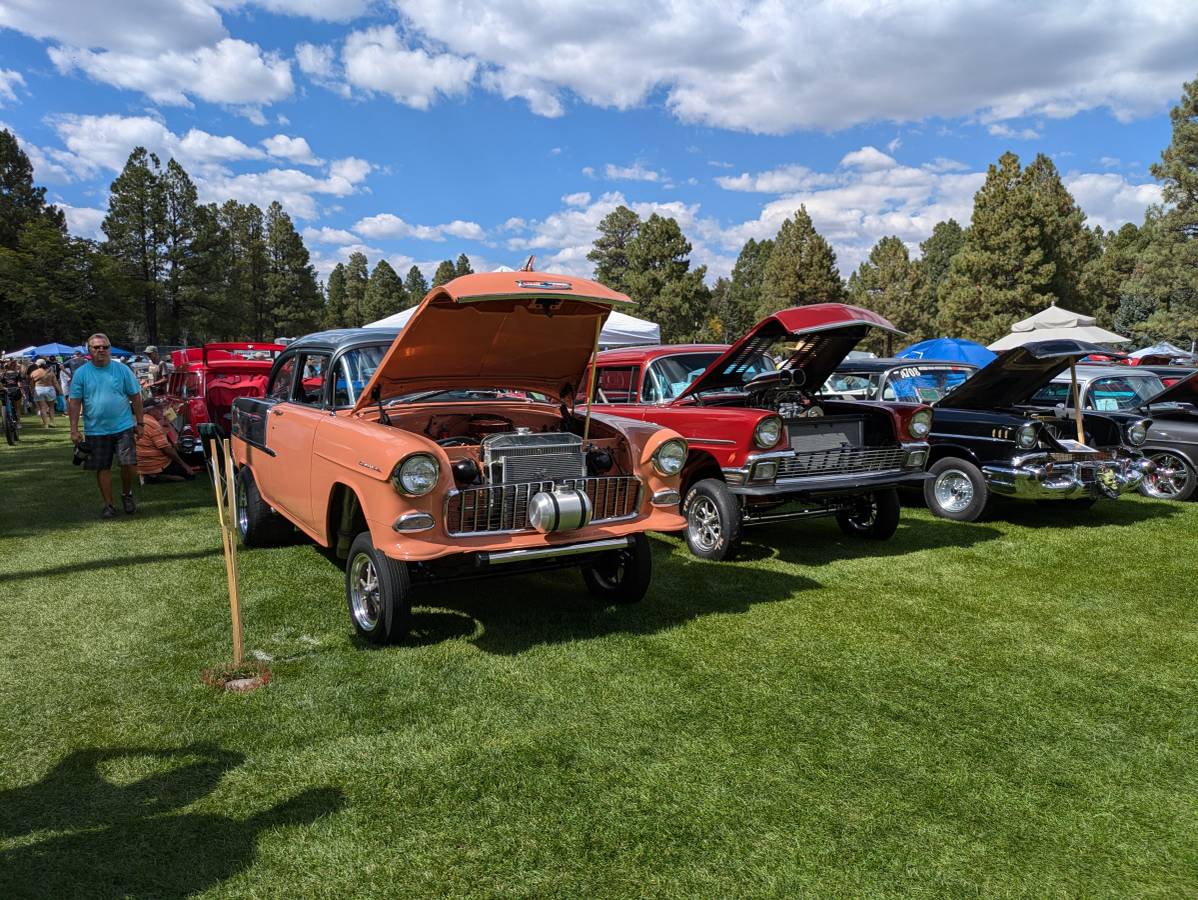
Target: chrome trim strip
point(533, 553)
point(667, 497)
point(703, 440)
point(975, 437)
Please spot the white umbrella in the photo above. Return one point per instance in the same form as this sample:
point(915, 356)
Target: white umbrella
point(1053, 323)
point(620, 330)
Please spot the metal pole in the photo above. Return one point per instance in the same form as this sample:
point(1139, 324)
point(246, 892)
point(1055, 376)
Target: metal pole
point(1077, 403)
point(586, 428)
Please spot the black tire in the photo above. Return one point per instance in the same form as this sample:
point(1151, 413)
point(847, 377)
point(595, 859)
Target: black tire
point(874, 516)
point(713, 523)
point(1175, 478)
point(378, 593)
point(621, 576)
point(963, 494)
point(258, 524)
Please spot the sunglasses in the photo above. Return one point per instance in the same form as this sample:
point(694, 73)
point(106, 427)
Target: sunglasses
point(96, 347)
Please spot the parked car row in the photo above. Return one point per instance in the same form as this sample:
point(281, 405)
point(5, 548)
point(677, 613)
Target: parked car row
point(488, 437)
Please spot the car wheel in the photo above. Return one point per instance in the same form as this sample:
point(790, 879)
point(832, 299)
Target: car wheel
point(874, 516)
point(1174, 478)
point(258, 524)
point(378, 593)
point(956, 490)
point(621, 576)
point(713, 522)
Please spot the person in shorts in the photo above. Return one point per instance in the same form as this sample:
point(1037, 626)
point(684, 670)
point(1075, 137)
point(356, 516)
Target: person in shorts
point(108, 395)
point(44, 382)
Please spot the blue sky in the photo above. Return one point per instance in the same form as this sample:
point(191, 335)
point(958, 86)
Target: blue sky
point(415, 131)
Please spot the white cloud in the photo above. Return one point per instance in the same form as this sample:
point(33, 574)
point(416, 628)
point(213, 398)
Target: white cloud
point(1017, 134)
point(388, 225)
point(635, 172)
point(328, 235)
point(316, 60)
point(944, 164)
point(774, 67)
point(868, 159)
point(1110, 162)
point(126, 26)
point(83, 221)
point(9, 80)
point(295, 149)
point(775, 181)
point(1110, 200)
point(296, 190)
point(582, 198)
point(321, 10)
point(200, 146)
point(588, 171)
point(377, 60)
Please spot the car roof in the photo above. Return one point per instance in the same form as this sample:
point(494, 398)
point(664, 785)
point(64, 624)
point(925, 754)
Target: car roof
point(1090, 372)
point(336, 338)
point(637, 355)
point(887, 363)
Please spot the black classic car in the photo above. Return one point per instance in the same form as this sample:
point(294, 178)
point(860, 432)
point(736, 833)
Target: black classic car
point(1172, 442)
point(989, 439)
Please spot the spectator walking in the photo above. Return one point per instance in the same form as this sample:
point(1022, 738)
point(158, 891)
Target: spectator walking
point(44, 383)
point(157, 458)
point(158, 369)
point(76, 361)
point(109, 397)
point(10, 383)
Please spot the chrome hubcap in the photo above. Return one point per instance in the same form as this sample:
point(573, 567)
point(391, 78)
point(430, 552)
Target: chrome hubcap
point(1170, 478)
point(364, 592)
point(954, 490)
point(703, 523)
point(243, 517)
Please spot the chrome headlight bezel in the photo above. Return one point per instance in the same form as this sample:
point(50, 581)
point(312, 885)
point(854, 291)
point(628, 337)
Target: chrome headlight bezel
point(919, 426)
point(406, 480)
point(670, 457)
point(760, 433)
point(1026, 436)
point(1137, 432)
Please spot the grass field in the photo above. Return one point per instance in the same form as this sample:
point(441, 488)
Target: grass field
point(1004, 708)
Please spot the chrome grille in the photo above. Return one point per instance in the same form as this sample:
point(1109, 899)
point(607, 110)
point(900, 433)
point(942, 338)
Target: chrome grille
point(1069, 457)
point(844, 461)
point(504, 507)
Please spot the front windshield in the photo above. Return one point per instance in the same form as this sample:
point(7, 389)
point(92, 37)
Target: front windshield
point(923, 384)
point(671, 375)
point(1122, 392)
point(355, 370)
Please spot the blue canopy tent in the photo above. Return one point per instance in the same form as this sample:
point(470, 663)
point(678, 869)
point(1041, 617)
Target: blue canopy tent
point(118, 352)
point(954, 349)
point(54, 349)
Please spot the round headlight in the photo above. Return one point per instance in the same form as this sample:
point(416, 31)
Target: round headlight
point(920, 424)
point(768, 432)
point(1025, 436)
point(669, 458)
point(416, 475)
point(1137, 432)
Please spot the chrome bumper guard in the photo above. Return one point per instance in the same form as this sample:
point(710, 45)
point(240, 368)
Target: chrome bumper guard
point(532, 554)
point(1039, 477)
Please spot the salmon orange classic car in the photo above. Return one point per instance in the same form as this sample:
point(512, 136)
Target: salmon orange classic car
point(763, 447)
point(450, 451)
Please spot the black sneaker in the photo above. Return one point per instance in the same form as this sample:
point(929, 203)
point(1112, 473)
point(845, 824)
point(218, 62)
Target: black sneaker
point(127, 502)
point(107, 513)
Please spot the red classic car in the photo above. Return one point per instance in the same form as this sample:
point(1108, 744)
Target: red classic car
point(204, 382)
point(763, 447)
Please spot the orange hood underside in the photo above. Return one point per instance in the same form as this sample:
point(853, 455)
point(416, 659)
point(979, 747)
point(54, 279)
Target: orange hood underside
point(528, 331)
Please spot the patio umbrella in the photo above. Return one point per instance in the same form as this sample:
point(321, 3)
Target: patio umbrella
point(945, 348)
point(1056, 323)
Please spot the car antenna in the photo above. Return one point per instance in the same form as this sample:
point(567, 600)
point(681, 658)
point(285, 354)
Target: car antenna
point(377, 396)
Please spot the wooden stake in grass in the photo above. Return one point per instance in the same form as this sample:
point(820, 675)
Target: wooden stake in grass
point(1077, 404)
point(219, 454)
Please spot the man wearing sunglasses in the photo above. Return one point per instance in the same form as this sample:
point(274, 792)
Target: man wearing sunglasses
point(109, 396)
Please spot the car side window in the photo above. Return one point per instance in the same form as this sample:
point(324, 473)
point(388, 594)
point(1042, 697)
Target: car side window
point(354, 371)
point(616, 384)
point(309, 387)
point(280, 388)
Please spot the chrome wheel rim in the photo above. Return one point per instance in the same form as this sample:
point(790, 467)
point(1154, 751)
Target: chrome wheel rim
point(1171, 477)
point(703, 524)
point(243, 517)
point(364, 592)
point(953, 490)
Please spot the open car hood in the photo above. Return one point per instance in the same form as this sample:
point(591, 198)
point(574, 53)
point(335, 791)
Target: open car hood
point(1016, 374)
point(824, 332)
point(529, 331)
point(1184, 391)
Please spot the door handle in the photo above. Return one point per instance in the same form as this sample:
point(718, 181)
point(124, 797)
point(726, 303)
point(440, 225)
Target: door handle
point(276, 412)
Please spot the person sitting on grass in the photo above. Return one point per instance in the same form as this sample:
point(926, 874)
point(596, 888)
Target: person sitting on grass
point(157, 459)
point(108, 395)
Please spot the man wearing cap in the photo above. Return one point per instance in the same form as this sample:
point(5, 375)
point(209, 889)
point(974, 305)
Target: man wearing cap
point(157, 458)
point(157, 371)
point(108, 395)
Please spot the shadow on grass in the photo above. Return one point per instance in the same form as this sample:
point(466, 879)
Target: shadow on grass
point(1103, 514)
point(115, 562)
point(509, 615)
point(128, 839)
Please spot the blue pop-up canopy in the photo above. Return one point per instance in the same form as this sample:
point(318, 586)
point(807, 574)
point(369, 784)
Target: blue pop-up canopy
point(54, 349)
point(955, 349)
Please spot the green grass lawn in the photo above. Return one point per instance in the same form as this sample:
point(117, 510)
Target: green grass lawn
point(1004, 708)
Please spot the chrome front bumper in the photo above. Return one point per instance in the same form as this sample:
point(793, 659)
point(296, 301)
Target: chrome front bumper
point(1037, 477)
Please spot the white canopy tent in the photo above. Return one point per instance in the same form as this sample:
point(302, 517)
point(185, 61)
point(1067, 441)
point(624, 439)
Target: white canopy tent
point(1164, 348)
point(17, 354)
point(620, 330)
point(1055, 323)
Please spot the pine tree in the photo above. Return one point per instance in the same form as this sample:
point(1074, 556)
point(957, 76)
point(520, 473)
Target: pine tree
point(179, 219)
point(20, 199)
point(291, 281)
point(462, 266)
point(617, 230)
point(1068, 244)
point(136, 230)
point(936, 254)
point(211, 305)
point(385, 295)
point(445, 273)
point(357, 275)
point(743, 302)
point(659, 278)
point(415, 286)
point(800, 269)
point(1002, 273)
point(335, 299)
point(888, 283)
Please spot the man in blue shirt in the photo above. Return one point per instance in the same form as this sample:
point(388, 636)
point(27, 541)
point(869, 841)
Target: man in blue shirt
point(108, 394)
